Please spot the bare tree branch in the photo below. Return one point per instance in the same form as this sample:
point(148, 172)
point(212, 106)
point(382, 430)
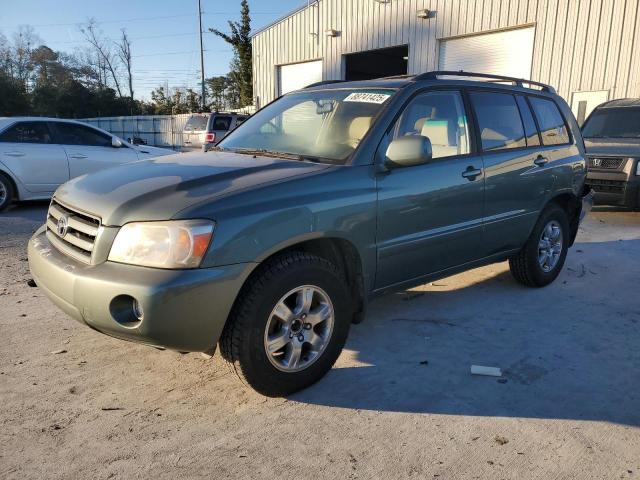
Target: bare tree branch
point(124, 52)
point(103, 51)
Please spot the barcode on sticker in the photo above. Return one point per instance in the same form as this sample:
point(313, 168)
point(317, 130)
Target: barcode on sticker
point(367, 97)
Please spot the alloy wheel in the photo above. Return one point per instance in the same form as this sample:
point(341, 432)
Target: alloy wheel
point(550, 246)
point(299, 328)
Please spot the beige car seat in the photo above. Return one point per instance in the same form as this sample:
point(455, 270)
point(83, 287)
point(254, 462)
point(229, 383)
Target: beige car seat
point(358, 128)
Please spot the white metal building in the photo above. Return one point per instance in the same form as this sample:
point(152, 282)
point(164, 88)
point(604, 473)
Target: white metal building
point(588, 49)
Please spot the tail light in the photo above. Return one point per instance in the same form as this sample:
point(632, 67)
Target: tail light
point(210, 137)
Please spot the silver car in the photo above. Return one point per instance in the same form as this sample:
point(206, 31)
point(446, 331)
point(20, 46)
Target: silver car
point(39, 154)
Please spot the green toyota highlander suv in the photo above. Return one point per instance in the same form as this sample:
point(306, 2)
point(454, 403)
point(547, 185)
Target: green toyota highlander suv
point(272, 245)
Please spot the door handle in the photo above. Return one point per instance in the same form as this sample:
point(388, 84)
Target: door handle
point(14, 154)
point(541, 160)
point(79, 156)
point(471, 173)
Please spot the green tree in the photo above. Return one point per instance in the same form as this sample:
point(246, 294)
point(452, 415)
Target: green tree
point(217, 92)
point(13, 97)
point(241, 66)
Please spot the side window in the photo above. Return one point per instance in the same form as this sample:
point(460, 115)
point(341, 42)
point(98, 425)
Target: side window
point(73, 134)
point(221, 123)
point(439, 116)
point(27, 132)
point(530, 128)
point(498, 120)
point(552, 126)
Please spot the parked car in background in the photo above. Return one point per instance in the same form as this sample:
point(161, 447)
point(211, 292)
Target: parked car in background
point(219, 126)
point(612, 139)
point(273, 244)
point(195, 129)
point(39, 154)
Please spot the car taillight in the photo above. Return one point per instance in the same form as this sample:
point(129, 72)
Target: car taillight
point(210, 137)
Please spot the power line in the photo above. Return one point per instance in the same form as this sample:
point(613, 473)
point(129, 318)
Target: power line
point(136, 19)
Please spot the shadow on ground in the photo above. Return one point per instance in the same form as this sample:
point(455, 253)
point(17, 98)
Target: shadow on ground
point(569, 351)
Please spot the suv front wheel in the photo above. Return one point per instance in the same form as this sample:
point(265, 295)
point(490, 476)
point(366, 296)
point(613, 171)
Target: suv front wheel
point(289, 324)
point(541, 259)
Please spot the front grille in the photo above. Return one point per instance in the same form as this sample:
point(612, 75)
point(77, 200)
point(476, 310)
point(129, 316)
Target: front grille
point(606, 163)
point(606, 186)
point(78, 237)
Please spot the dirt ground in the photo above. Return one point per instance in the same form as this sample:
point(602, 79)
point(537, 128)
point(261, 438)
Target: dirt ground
point(400, 402)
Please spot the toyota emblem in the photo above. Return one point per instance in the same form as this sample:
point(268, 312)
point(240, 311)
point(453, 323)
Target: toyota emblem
point(63, 226)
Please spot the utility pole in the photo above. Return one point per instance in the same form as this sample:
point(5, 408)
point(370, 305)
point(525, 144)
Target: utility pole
point(201, 54)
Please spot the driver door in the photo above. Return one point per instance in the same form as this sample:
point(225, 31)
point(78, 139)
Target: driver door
point(430, 215)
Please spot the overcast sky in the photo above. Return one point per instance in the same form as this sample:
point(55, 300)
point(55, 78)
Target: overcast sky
point(164, 32)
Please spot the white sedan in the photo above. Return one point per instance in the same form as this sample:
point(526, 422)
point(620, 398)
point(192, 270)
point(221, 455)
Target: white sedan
point(39, 154)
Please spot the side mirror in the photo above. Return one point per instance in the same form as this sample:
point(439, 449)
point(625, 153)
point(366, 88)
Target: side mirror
point(116, 142)
point(408, 151)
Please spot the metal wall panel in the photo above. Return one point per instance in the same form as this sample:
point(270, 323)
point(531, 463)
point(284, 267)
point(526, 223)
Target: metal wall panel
point(580, 45)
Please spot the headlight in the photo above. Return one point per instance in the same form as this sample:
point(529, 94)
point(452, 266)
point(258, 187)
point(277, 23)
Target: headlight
point(638, 167)
point(172, 244)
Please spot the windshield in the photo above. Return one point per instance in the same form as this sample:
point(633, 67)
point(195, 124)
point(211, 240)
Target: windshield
point(623, 122)
point(196, 122)
point(326, 125)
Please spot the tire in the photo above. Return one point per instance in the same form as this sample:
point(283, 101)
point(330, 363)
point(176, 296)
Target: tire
point(526, 266)
point(255, 322)
point(7, 192)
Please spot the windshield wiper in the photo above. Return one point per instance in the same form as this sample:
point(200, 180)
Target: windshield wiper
point(276, 154)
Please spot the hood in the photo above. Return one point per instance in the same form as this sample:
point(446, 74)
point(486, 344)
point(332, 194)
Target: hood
point(613, 147)
point(159, 188)
point(150, 152)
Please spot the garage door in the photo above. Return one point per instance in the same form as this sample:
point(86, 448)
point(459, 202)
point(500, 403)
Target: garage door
point(502, 53)
point(298, 75)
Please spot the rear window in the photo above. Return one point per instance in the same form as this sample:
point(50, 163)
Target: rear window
point(621, 122)
point(196, 122)
point(27, 132)
point(499, 120)
point(220, 123)
point(552, 127)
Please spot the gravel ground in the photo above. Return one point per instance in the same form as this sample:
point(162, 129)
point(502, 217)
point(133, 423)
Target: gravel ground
point(400, 402)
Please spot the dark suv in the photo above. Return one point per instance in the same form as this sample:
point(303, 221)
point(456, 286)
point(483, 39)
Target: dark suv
point(612, 138)
point(272, 245)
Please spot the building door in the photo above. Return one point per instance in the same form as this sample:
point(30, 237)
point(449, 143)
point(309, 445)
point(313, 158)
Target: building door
point(508, 52)
point(583, 103)
point(298, 75)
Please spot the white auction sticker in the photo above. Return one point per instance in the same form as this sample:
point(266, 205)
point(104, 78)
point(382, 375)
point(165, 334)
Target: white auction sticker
point(367, 97)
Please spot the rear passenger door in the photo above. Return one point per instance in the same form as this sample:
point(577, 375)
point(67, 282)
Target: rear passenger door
point(90, 150)
point(516, 177)
point(28, 151)
point(430, 215)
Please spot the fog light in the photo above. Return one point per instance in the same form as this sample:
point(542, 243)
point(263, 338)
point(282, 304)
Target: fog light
point(127, 311)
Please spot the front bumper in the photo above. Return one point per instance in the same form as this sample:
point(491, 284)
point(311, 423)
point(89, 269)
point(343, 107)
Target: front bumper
point(184, 310)
point(615, 188)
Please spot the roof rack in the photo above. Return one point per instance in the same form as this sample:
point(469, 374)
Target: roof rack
point(500, 78)
point(324, 82)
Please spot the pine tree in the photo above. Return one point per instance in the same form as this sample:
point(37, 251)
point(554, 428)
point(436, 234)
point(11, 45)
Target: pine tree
point(241, 66)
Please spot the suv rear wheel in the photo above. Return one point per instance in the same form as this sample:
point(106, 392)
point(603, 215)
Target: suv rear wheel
point(541, 259)
point(289, 324)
